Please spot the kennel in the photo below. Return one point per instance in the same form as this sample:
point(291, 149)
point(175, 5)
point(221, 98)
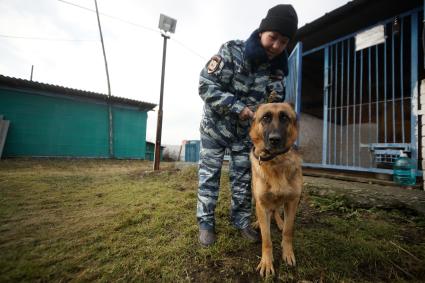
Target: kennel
point(355, 85)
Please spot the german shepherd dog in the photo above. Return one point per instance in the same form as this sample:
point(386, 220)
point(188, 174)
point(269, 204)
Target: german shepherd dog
point(276, 177)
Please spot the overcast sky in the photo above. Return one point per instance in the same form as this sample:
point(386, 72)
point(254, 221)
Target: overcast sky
point(62, 41)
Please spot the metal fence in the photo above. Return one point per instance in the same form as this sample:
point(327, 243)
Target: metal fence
point(370, 98)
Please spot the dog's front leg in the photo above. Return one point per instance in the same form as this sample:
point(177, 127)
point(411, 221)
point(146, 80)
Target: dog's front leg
point(266, 264)
point(290, 208)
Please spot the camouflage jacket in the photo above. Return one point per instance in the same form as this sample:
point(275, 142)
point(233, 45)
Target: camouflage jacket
point(239, 75)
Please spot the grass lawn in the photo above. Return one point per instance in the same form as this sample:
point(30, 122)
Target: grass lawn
point(106, 220)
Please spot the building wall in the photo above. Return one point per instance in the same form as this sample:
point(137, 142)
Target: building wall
point(150, 151)
point(45, 124)
point(129, 133)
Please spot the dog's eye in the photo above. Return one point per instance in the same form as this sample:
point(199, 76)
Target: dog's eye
point(283, 117)
point(267, 118)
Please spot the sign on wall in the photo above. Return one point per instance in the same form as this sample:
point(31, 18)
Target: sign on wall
point(370, 37)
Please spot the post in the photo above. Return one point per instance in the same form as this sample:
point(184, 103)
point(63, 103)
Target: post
point(423, 31)
point(111, 148)
point(422, 113)
point(159, 121)
point(32, 71)
point(414, 87)
point(326, 87)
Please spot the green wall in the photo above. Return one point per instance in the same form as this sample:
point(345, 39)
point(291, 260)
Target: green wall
point(129, 133)
point(51, 125)
point(150, 151)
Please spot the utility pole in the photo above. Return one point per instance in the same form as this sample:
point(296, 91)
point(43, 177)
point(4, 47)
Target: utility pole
point(159, 120)
point(166, 24)
point(111, 145)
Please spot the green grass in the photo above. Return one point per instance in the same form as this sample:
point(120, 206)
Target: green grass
point(104, 220)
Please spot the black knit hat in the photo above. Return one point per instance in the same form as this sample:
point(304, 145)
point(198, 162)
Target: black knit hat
point(281, 18)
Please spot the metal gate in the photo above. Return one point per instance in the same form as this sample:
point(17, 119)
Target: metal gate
point(293, 80)
point(370, 98)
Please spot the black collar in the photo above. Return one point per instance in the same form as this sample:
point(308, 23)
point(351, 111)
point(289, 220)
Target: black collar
point(269, 156)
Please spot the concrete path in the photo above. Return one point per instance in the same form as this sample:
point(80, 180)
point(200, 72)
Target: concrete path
point(368, 195)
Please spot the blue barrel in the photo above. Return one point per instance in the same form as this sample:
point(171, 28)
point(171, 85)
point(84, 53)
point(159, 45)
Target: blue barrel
point(404, 171)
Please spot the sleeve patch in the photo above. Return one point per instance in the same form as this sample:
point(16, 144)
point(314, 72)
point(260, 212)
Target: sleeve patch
point(214, 64)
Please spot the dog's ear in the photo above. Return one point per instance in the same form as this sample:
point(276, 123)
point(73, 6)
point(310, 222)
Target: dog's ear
point(291, 103)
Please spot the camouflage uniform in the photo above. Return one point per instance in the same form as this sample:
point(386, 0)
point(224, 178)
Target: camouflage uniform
point(239, 75)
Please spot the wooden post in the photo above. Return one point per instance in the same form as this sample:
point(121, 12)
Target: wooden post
point(157, 156)
point(111, 135)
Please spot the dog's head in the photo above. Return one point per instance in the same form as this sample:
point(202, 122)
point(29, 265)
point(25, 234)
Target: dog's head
point(274, 127)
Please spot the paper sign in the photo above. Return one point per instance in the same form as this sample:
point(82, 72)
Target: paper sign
point(370, 37)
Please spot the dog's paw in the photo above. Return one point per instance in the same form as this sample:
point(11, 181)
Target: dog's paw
point(289, 257)
point(266, 267)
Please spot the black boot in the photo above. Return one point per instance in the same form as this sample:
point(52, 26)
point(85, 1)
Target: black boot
point(250, 234)
point(207, 237)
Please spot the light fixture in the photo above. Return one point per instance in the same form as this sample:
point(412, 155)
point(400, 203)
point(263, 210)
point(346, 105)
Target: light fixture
point(167, 24)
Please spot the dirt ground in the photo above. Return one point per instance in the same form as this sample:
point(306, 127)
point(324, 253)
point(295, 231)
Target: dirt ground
point(368, 195)
point(360, 192)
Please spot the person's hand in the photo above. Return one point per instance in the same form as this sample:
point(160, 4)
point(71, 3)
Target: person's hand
point(246, 113)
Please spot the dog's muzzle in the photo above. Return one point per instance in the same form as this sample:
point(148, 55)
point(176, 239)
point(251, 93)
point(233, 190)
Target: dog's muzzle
point(274, 141)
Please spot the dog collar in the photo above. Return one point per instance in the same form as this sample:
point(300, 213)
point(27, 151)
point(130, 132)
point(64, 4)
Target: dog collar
point(270, 156)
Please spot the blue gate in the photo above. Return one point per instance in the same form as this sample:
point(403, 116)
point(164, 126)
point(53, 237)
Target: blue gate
point(370, 98)
point(293, 80)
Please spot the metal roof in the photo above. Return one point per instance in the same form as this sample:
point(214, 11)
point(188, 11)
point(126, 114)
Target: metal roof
point(32, 85)
point(349, 18)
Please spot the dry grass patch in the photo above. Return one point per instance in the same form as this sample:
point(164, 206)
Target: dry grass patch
point(116, 220)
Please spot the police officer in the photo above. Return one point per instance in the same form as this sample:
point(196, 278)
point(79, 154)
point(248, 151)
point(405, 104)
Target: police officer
point(242, 75)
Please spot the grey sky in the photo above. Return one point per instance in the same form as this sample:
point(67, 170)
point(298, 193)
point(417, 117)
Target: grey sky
point(67, 50)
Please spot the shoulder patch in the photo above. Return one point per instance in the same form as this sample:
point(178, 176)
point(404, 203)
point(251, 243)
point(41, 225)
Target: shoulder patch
point(213, 64)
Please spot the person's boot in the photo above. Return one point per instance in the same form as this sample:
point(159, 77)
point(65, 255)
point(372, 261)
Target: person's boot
point(207, 237)
point(250, 234)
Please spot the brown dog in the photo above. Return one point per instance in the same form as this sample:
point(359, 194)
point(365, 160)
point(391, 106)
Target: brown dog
point(276, 177)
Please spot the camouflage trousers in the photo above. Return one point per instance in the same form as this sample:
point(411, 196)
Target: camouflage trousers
point(210, 163)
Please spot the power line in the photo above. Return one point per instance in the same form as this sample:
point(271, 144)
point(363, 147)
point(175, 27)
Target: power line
point(189, 49)
point(46, 38)
point(94, 40)
point(110, 16)
point(87, 40)
point(134, 24)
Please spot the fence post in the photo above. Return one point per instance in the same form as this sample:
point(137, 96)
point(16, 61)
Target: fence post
point(422, 112)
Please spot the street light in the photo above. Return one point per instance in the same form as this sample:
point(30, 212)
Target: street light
point(167, 26)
